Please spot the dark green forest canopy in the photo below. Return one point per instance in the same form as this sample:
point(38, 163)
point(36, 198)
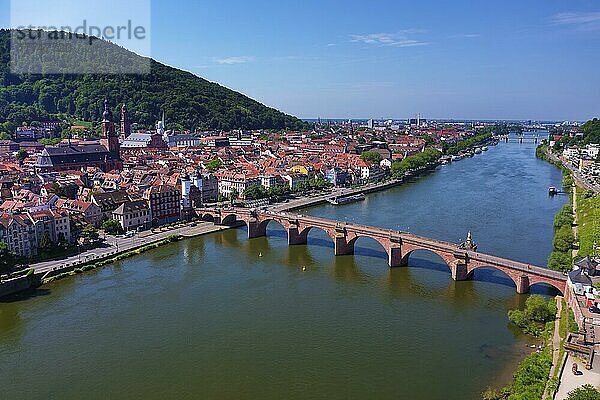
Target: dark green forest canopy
point(591, 131)
point(188, 101)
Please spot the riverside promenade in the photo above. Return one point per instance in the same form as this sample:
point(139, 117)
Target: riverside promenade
point(579, 178)
point(114, 246)
point(302, 202)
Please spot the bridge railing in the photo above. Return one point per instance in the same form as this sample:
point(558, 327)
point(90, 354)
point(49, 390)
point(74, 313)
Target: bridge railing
point(517, 265)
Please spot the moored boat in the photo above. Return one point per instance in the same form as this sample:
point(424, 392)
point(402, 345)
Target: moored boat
point(337, 201)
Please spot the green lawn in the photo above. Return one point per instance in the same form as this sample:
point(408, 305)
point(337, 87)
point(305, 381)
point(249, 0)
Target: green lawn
point(588, 220)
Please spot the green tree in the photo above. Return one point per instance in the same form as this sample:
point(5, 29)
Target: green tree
point(560, 261)
point(112, 227)
point(214, 165)
point(585, 392)
point(564, 217)
point(492, 394)
point(90, 233)
point(233, 196)
point(45, 244)
point(399, 168)
point(539, 310)
point(21, 155)
point(591, 131)
point(371, 156)
point(7, 258)
point(49, 142)
point(278, 190)
point(534, 316)
point(468, 143)
point(255, 192)
point(563, 239)
point(68, 191)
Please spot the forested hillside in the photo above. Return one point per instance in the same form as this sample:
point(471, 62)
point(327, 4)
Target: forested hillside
point(189, 101)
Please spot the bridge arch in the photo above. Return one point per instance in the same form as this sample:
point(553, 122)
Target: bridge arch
point(208, 217)
point(230, 219)
point(382, 244)
point(264, 225)
point(535, 281)
point(305, 231)
point(511, 276)
point(446, 261)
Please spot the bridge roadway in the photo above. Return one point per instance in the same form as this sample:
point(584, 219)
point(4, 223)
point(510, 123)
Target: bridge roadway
point(462, 260)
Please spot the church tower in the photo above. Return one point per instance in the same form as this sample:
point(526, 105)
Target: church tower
point(125, 125)
point(110, 140)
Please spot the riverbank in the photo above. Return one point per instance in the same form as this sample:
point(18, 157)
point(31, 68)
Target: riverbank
point(540, 319)
point(305, 202)
point(565, 229)
point(544, 153)
point(116, 249)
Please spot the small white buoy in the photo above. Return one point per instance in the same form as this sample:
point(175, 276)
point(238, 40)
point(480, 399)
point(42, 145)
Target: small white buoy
point(304, 268)
point(260, 255)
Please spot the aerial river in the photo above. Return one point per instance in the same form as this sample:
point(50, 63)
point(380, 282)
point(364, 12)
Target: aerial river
point(222, 317)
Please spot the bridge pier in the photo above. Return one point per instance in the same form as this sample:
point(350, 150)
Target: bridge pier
point(342, 247)
point(395, 258)
point(458, 270)
point(296, 238)
point(523, 284)
point(256, 229)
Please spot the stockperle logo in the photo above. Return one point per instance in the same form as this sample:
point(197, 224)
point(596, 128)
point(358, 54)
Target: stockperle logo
point(80, 37)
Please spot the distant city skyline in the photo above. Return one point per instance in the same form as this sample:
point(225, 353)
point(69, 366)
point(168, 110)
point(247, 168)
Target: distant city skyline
point(457, 60)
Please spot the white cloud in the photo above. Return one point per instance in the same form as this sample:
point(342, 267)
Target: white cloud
point(234, 60)
point(580, 19)
point(388, 39)
point(465, 36)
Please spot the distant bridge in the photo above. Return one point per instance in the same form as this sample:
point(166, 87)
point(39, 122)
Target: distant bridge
point(521, 138)
point(462, 260)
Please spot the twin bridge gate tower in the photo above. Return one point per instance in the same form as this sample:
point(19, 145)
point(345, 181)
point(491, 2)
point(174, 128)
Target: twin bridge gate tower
point(462, 259)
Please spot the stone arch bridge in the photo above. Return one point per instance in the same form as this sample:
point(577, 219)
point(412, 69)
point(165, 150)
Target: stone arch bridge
point(398, 245)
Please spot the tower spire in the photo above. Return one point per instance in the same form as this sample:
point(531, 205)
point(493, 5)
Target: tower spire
point(107, 114)
point(109, 136)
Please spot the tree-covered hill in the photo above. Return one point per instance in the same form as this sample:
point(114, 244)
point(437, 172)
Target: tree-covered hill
point(188, 101)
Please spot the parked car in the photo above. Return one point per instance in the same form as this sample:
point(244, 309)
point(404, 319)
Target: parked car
point(594, 310)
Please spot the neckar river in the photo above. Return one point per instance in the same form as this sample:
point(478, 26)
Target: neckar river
point(221, 317)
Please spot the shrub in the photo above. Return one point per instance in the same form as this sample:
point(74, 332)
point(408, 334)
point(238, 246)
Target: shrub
point(564, 217)
point(533, 318)
point(563, 239)
point(586, 392)
point(560, 261)
point(112, 227)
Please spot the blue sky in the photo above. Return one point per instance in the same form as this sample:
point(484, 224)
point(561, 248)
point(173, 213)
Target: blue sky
point(534, 59)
